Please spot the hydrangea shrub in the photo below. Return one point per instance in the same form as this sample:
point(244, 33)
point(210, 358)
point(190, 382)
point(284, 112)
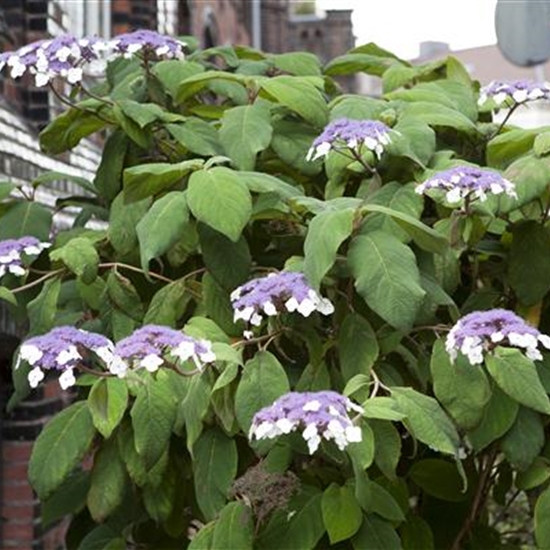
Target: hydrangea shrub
point(303, 318)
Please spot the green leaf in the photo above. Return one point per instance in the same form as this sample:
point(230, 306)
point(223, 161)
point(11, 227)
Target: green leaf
point(524, 440)
point(173, 71)
point(198, 136)
point(234, 528)
point(382, 503)
point(80, 256)
point(426, 420)
point(153, 415)
point(542, 520)
point(351, 63)
point(382, 408)
point(160, 499)
point(108, 482)
point(227, 261)
point(168, 304)
point(362, 453)
point(69, 498)
point(42, 309)
point(297, 63)
point(425, 237)
point(220, 190)
point(387, 447)
point(263, 381)
point(341, 513)
point(204, 538)
point(439, 478)
point(107, 402)
point(506, 147)
point(358, 346)
point(108, 178)
point(499, 415)
point(326, 232)
point(416, 533)
point(244, 132)
point(122, 223)
point(258, 182)
point(517, 376)
point(300, 96)
point(376, 534)
point(541, 145)
point(60, 446)
point(534, 476)
point(7, 295)
point(123, 296)
point(104, 537)
point(387, 277)
point(297, 531)
point(6, 187)
point(162, 226)
point(67, 129)
point(436, 115)
point(145, 180)
point(461, 388)
point(214, 469)
point(26, 218)
point(529, 262)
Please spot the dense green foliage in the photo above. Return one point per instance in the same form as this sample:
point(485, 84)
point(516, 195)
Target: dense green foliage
point(204, 184)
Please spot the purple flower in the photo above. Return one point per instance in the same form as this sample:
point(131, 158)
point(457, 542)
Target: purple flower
point(351, 134)
point(319, 415)
point(481, 331)
point(148, 345)
point(11, 250)
point(150, 42)
point(276, 293)
point(513, 92)
point(468, 181)
point(61, 350)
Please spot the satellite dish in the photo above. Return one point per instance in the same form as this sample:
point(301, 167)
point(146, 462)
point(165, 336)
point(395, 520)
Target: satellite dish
point(523, 31)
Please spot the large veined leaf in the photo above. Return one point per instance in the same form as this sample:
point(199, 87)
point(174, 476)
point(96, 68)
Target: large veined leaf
point(198, 136)
point(153, 415)
point(341, 513)
point(59, 448)
point(122, 223)
point(218, 190)
point(244, 132)
point(542, 519)
point(263, 381)
point(162, 226)
point(375, 534)
point(299, 95)
point(426, 420)
point(517, 376)
point(506, 147)
point(214, 468)
point(107, 402)
point(461, 388)
point(438, 115)
point(234, 528)
point(80, 256)
point(26, 218)
point(43, 308)
point(358, 347)
point(387, 277)
point(525, 440)
point(326, 232)
point(529, 262)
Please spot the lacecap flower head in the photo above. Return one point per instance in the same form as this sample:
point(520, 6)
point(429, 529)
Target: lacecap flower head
point(511, 92)
point(61, 350)
point(465, 181)
point(149, 42)
point(318, 415)
point(149, 346)
point(345, 133)
point(481, 331)
point(11, 251)
point(276, 293)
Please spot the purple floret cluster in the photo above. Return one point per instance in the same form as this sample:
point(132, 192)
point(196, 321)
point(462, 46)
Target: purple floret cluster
point(68, 57)
point(11, 251)
point(511, 92)
point(61, 350)
point(471, 182)
point(320, 415)
point(481, 331)
point(351, 134)
point(147, 347)
point(276, 293)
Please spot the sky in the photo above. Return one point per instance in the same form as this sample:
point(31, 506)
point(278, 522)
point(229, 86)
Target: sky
point(400, 25)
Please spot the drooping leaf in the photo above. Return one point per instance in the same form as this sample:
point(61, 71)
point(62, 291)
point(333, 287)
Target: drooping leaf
point(376, 533)
point(162, 226)
point(341, 513)
point(387, 447)
point(80, 256)
point(387, 277)
point(42, 309)
point(525, 439)
point(234, 529)
point(214, 469)
point(358, 346)
point(26, 218)
point(326, 232)
point(439, 478)
point(122, 223)
point(517, 376)
point(244, 132)
point(220, 190)
point(107, 402)
point(60, 446)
